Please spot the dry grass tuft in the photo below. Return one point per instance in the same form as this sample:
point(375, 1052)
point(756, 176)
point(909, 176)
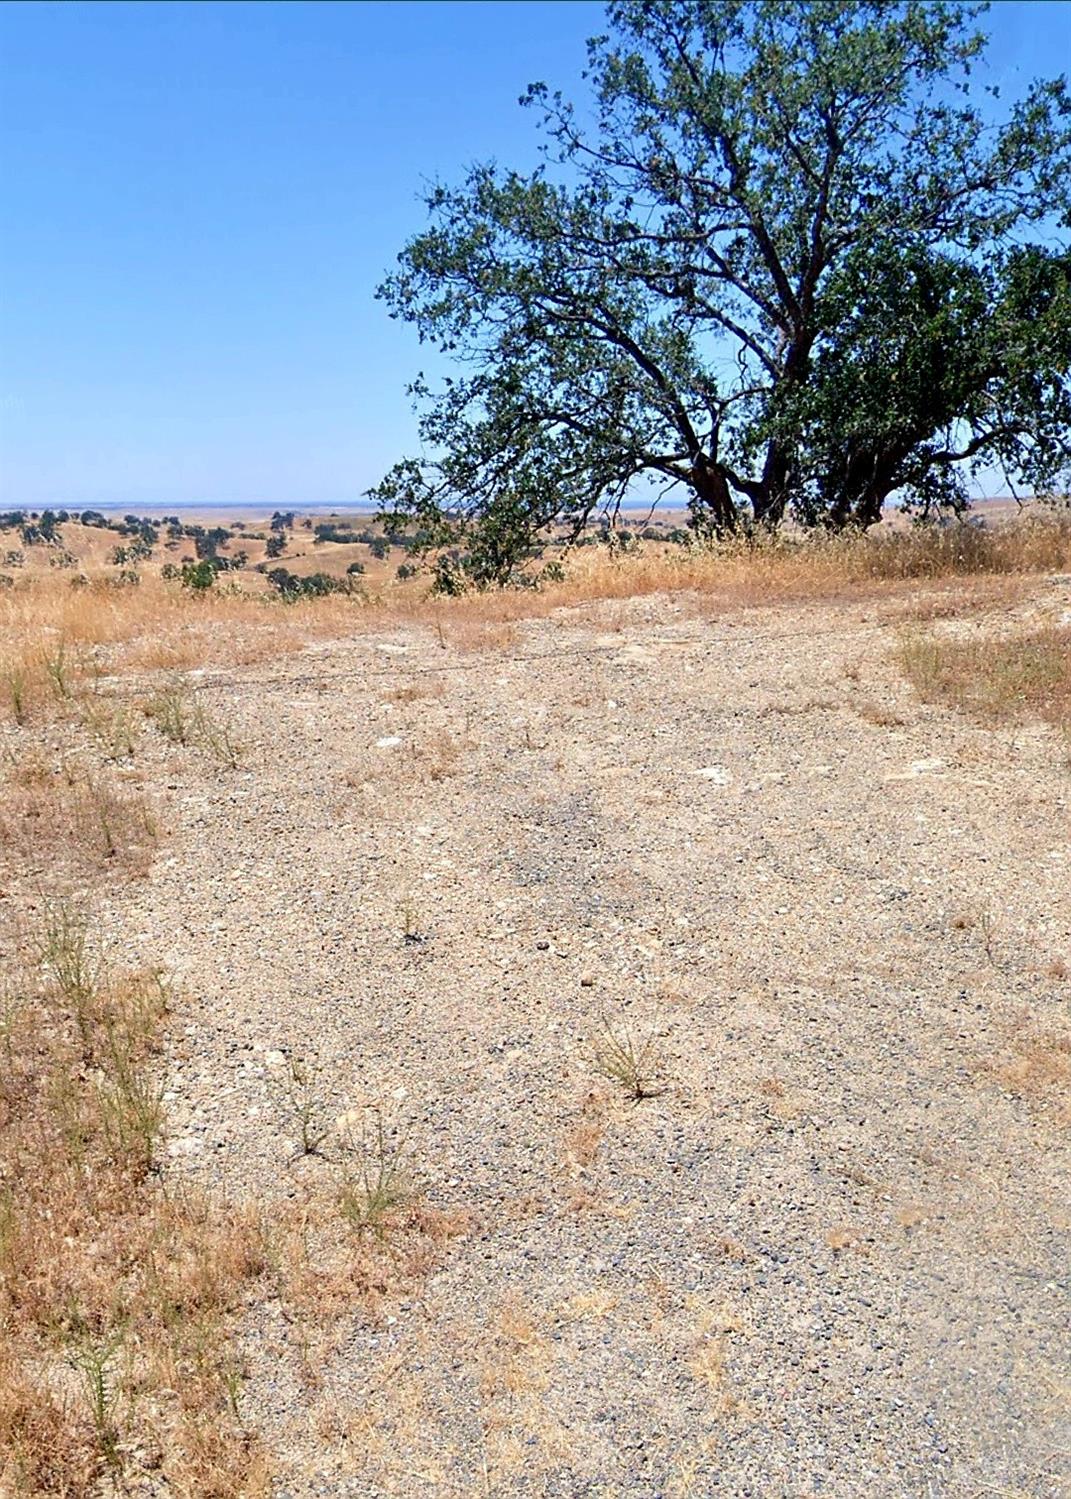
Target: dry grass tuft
point(635, 1064)
point(880, 715)
point(72, 816)
point(1041, 1072)
point(996, 679)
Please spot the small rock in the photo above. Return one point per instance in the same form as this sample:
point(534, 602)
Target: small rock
point(716, 774)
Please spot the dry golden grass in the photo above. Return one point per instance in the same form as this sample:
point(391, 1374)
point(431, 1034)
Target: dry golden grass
point(790, 569)
point(159, 626)
point(73, 817)
point(115, 1295)
point(996, 679)
point(880, 715)
point(154, 627)
point(713, 1326)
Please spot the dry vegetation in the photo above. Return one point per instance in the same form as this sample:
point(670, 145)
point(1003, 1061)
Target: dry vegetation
point(997, 679)
point(46, 626)
point(122, 1292)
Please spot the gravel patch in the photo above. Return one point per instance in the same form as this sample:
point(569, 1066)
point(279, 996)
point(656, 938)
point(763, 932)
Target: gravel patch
point(831, 1255)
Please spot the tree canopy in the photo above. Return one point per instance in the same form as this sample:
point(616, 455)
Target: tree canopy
point(792, 260)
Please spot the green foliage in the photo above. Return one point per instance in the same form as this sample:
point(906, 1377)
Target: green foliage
point(138, 551)
point(790, 270)
point(207, 543)
point(198, 577)
point(291, 587)
point(332, 531)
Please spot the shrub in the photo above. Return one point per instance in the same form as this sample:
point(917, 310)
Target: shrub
point(316, 585)
point(330, 531)
point(198, 576)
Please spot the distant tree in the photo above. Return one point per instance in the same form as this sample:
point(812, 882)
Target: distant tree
point(276, 545)
point(138, 551)
point(792, 269)
point(42, 529)
point(332, 531)
point(292, 586)
point(207, 543)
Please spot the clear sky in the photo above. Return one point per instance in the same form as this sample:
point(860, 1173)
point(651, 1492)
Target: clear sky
point(198, 200)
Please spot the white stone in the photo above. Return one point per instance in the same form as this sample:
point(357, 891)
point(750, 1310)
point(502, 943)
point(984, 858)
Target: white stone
point(716, 774)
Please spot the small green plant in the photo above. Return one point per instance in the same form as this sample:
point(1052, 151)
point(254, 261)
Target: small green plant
point(18, 693)
point(169, 709)
point(988, 924)
point(112, 823)
point(94, 1359)
point(410, 925)
point(381, 1182)
point(56, 667)
point(75, 969)
point(214, 736)
point(114, 729)
point(131, 1106)
point(635, 1065)
point(232, 1375)
point(302, 1100)
point(183, 719)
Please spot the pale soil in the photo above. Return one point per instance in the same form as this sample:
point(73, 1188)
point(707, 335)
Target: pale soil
point(831, 1257)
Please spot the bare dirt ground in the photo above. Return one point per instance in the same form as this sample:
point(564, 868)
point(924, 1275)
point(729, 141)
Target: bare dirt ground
point(830, 1255)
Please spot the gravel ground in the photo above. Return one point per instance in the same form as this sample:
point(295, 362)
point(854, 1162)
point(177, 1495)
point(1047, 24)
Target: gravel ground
point(830, 1256)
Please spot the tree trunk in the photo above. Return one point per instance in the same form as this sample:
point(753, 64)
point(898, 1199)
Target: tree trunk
point(777, 471)
point(712, 508)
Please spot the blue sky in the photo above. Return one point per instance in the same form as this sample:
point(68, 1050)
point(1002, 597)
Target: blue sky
point(197, 202)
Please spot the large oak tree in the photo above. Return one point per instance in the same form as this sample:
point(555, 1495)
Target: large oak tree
point(786, 264)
